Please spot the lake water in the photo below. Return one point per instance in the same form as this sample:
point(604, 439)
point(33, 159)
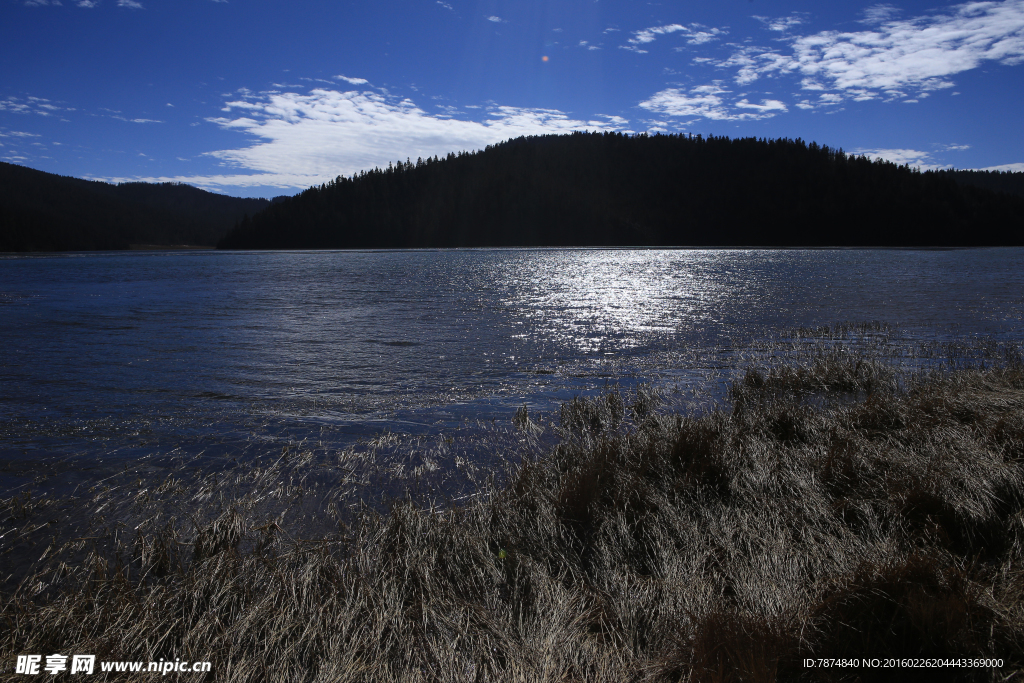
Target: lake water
point(118, 356)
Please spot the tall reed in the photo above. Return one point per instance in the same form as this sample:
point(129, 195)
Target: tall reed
point(831, 507)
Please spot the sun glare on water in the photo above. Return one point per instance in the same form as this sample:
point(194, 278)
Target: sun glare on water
point(593, 300)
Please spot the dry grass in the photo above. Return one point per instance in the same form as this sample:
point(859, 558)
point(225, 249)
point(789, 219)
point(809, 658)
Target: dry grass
point(834, 508)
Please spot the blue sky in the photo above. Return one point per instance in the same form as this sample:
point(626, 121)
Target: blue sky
point(266, 97)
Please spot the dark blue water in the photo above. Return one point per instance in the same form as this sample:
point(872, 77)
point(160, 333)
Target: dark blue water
point(110, 356)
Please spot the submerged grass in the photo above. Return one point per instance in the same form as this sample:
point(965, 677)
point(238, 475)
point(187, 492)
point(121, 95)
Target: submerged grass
point(832, 507)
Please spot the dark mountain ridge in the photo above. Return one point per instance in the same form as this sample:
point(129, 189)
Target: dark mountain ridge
point(610, 189)
point(42, 211)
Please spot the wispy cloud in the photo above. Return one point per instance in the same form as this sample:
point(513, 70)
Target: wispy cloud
point(697, 34)
point(42, 3)
point(131, 4)
point(89, 4)
point(20, 146)
point(13, 105)
point(353, 81)
point(495, 19)
point(824, 100)
point(918, 54)
point(304, 139)
point(780, 24)
point(445, 5)
point(878, 14)
point(31, 105)
point(710, 102)
point(122, 118)
point(751, 63)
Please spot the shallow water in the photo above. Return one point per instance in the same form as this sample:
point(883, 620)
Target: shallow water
point(113, 357)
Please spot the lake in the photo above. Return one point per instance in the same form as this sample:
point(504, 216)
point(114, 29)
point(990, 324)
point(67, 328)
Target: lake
point(118, 356)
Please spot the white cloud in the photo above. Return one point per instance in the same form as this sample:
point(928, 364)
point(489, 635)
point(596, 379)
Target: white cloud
point(31, 105)
point(750, 62)
point(87, 3)
point(13, 105)
point(827, 99)
point(131, 4)
point(701, 37)
point(781, 24)
point(920, 53)
point(305, 139)
point(1017, 168)
point(877, 14)
point(765, 106)
point(911, 157)
point(445, 5)
point(648, 35)
point(496, 20)
point(708, 101)
point(698, 34)
point(956, 148)
point(42, 3)
point(353, 81)
point(704, 101)
point(447, 110)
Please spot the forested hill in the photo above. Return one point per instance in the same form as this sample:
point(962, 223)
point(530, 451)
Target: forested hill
point(46, 212)
point(998, 181)
point(611, 189)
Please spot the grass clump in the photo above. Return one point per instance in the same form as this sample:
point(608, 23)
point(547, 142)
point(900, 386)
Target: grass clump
point(835, 508)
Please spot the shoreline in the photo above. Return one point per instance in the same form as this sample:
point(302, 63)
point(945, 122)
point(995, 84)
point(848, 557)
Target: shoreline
point(167, 247)
point(834, 507)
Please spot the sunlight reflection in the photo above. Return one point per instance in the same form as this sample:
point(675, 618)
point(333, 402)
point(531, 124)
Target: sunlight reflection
point(596, 301)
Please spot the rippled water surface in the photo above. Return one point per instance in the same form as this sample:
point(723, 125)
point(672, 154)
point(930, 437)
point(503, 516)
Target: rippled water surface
point(120, 355)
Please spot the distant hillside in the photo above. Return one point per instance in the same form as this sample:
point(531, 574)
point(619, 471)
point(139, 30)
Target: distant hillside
point(612, 189)
point(997, 181)
point(46, 212)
